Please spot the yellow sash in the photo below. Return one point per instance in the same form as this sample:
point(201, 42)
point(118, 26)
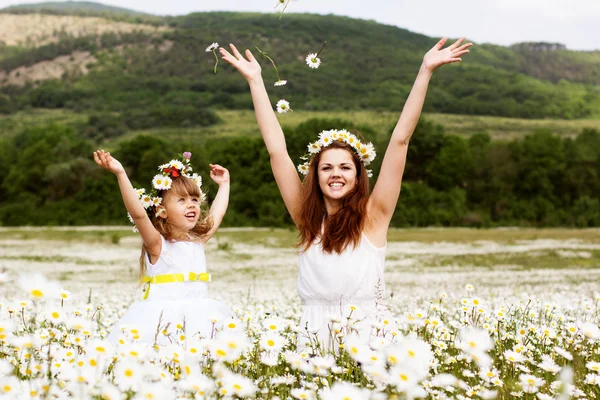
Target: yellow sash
point(170, 278)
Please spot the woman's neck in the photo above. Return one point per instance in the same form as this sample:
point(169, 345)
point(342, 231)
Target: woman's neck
point(332, 206)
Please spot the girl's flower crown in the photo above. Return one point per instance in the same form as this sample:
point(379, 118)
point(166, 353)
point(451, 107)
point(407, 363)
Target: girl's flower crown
point(163, 181)
point(365, 152)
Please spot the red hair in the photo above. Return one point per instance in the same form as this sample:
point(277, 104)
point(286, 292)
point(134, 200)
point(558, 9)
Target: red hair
point(343, 228)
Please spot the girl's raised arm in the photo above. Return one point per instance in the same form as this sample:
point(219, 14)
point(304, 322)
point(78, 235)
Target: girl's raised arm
point(384, 197)
point(283, 167)
point(150, 235)
point(219, 205)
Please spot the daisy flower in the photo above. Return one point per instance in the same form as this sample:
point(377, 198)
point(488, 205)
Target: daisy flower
point(303, 168)
point(283, 106)
point(212, 48)
point(280, 83)
point(176, 164)
point(156, 201)
point(313, 61)
point(314, 147)
point(159, 182)
point(146, 200)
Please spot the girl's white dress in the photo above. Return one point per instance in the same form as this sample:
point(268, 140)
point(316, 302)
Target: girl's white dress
point(332, 286)
point(178, 302)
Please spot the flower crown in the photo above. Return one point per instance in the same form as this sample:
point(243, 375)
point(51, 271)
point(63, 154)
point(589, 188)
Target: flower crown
point(365, 152)
point(163, 181)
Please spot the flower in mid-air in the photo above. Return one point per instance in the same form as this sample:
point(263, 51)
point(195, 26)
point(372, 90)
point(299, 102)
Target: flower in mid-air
point(212, 47)
point(313, 61)
point(283, 106)
point(280, 83)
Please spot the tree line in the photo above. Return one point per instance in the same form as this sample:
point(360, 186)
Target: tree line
point(540, 180)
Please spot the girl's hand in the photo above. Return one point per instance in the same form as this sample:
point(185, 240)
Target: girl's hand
point(219, 174)
point(437, 56)
point(250, 68)
point(108, 162)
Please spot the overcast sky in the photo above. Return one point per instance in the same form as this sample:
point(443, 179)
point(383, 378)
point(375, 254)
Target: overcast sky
point(575, 23)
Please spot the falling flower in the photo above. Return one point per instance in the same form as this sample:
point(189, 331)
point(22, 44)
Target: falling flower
point(283, 106)
point(313, 59)
point(279, 82)
point(213, 48)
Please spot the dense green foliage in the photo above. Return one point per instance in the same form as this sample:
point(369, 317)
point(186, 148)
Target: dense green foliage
point(366, 65)
point(542, 180)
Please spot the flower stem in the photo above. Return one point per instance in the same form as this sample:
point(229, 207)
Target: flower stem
point(216, 58)
point(321, 49)
point(262, 53)
point(284, 7)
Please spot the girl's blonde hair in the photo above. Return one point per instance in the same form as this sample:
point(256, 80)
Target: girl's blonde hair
point(181, 186)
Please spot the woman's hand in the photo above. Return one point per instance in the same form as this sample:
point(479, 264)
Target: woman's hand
point(108, 162)
point(437, 56)
point(249, 68)
point(219, 174)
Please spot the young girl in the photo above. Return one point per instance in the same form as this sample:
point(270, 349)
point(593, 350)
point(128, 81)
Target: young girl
point(172, 265)
point(342, 228)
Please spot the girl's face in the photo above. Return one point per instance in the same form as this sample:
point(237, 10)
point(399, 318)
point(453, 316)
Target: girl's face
point(337, 174)
point(182, 210)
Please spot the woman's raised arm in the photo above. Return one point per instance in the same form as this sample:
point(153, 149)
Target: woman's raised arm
point(386, 192)
point(283, 167)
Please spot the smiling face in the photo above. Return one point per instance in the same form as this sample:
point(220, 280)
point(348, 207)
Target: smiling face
point(337, 175)
point(181, 205)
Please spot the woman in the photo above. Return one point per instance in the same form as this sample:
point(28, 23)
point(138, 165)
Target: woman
point(342, 228)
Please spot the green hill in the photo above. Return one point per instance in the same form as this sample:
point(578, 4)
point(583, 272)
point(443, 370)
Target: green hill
point(66, 7)
point(366, 65)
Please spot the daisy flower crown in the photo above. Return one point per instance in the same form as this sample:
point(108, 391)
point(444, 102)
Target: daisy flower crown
point(163, 181)
point(365, 152)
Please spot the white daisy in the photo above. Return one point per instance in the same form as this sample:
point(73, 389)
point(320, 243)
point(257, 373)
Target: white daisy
point(140, 192)
point(303, 168)
point(280, 83)
point(156, 201)
point(176, 164)
point(197, 179)
point(313, 61)
point(146, 201)
point(159, 182)
point(212, 47)
point(283, 106)
point(168, 182)
point(314, 147)
point(325, 138)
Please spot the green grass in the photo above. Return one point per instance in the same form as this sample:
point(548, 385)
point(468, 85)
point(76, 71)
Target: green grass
point(243, 123)
point(228, 238)
point(15, 123)
point(109, 235)
point(547, 259)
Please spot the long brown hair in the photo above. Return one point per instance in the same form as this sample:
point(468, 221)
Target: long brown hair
point(343, 228)
point(181, 186)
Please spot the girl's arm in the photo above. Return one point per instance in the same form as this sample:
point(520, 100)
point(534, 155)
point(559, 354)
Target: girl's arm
point(282, 165)
point(219, 205)
point(384, 197)
point(150, 235)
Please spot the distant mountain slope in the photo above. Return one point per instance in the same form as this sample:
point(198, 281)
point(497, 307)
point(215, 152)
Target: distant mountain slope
point(70, 6)
point(366, 65)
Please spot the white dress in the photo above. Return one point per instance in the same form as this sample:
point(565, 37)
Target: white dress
point(329, 284)
point(177, 301)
